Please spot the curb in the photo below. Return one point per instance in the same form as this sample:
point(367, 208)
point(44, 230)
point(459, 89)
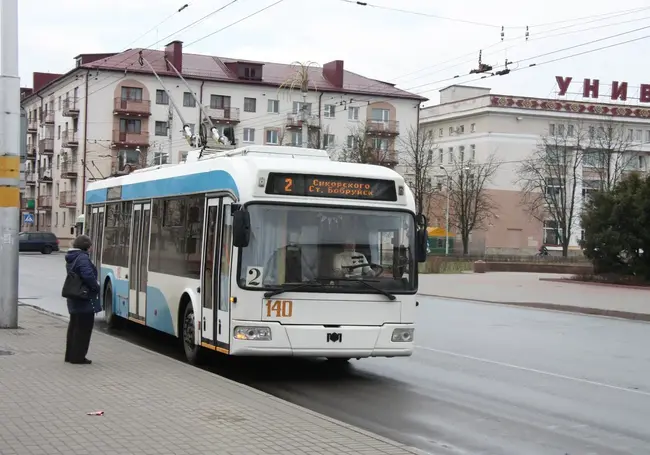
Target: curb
point(564, 308)
point(596, 283)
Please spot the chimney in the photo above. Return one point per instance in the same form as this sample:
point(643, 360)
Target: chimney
point(40, 80)
point(333, 72)
point(174, 53)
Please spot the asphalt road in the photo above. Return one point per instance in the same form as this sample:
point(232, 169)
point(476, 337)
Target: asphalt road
point(485, 379)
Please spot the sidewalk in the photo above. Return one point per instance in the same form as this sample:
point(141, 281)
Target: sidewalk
point(152, 404)
point(526, 289)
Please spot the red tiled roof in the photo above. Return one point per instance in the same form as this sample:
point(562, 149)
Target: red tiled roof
point(197, 66)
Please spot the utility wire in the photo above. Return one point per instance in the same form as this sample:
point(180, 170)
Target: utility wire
point(179, 10)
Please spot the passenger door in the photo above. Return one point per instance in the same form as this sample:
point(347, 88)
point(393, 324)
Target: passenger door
point(139, 261)
point(225, 263)
point(209, 267)
point(97, 235)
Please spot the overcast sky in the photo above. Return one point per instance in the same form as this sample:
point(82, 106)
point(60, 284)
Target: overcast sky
point(411, 50)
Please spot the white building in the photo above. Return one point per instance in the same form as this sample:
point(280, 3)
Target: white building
point(473, 122)
point(110, 115)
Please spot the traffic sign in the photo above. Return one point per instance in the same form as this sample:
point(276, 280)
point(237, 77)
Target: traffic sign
point(28, 218)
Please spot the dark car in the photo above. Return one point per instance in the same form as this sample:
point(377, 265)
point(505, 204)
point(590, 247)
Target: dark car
point(45, 242)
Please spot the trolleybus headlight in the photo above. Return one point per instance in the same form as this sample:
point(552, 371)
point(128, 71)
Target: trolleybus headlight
point(402, 335)
point(252, 333)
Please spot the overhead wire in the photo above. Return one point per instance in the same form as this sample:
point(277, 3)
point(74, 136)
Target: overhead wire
point(369, 99)
point(378, 83)
point(442, 80)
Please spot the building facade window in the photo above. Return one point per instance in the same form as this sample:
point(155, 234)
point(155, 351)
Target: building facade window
point(161, 128)
point(250, 105)
point(551, 235)
point(273, 106)
point(188, 100)
point(329, 111)
point(272, 137)
point(162, 97)
point(249, 134)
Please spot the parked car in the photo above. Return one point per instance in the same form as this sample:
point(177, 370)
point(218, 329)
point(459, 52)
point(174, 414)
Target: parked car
point(45, 242)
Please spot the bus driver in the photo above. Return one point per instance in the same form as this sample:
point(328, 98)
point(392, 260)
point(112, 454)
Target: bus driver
point(351, 262)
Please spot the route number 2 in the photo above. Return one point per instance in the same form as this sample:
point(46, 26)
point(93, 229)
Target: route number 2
point(279, 308)
point(288, 185)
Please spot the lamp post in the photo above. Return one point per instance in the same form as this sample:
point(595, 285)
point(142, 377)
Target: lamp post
point(446, 213)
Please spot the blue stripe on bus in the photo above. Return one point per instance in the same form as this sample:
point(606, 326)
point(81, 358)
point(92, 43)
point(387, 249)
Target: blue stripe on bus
point(158, 313)
point(171, 186)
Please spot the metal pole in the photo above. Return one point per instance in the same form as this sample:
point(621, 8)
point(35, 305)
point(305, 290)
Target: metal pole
point(9, 163)
point(170, 120)
point(447, 218)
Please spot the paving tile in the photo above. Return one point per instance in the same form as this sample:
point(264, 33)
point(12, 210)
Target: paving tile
point(152, 404)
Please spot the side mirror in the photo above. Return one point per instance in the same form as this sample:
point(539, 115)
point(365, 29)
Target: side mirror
point(241, 228)
point(422, 241)
point(421, 238)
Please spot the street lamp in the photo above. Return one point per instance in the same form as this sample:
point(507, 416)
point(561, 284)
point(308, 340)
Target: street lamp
point(446, 213)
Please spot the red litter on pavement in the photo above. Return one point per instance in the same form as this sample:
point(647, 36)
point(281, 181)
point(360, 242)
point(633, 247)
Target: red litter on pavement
point(95, 413)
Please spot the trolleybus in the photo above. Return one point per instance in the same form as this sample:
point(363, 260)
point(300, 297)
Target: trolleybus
point(261, 251)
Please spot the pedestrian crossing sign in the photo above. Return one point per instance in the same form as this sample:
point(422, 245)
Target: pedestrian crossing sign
point(28, 218)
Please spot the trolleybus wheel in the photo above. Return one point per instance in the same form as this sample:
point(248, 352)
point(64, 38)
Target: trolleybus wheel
point(192, 351)
point(338, 361)
point(112, 321)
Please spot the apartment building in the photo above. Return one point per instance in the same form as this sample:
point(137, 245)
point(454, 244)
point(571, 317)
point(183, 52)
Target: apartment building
point(473, 123)
point(110, 115)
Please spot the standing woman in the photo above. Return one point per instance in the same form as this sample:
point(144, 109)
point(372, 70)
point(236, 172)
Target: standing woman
point(82, 310)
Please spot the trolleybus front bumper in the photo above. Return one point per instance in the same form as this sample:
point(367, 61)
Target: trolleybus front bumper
point(275, 339)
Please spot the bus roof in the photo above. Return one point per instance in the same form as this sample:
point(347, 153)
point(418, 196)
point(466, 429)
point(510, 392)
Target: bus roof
point(237, 171)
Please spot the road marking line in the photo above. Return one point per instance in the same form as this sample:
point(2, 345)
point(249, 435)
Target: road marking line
point(532, 370)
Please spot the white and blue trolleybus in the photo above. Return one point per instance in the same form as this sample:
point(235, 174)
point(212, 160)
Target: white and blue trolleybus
point(261, 251)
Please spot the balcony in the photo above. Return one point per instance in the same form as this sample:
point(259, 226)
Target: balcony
point(381, 157)
point(45, 175)
point(382, 128)
point(30, 153)
point(226, 115)
point(296, 121)
point(67, 199)
point(48, 117)
point(32, 126)
point(46, 146)
point(69, 169)
point(123, 139)
point(30, 178)
point(44, 202)
point(71, 107)
point(69, 139)
point(136, 108)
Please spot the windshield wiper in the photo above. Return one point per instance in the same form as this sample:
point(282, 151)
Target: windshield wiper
point(292, 287)
point(367, 284)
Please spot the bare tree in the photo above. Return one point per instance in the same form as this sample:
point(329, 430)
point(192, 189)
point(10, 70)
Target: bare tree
point(362, 147)
point(302, 78)
point(550, 179)
point(609, 154)
point(470, 205)
point(416, 150)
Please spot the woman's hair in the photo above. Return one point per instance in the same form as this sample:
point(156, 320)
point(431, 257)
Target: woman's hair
point(82, 242)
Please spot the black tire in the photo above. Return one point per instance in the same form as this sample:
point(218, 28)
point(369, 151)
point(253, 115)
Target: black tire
point(193, 352)
point(112, 321)
point(47, 249)
point(338, 361)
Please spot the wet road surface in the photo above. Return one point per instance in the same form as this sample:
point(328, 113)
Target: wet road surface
point(485, 379)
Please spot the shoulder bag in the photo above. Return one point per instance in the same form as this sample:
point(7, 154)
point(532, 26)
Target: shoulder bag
point(73, 286)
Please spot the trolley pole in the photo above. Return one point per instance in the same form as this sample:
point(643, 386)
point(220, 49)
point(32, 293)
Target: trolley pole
point(9, 163)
